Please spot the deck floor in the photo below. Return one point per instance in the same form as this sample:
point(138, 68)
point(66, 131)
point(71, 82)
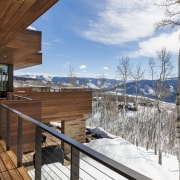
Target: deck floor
point(8, 165)
point(8, 161)
point(27, 159)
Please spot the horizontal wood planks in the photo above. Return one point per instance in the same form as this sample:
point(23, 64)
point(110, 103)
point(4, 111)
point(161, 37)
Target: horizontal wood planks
point(63, 105)
point(8, 165)
point(28, 61)
point(16, 43)
point(28, 40)
point(23, 50)
point(30, 108)
point(46, 107)
point(17, 15)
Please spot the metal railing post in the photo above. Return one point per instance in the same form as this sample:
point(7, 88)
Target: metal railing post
point(1, 122)
point(8, 129)
point(38, 151)
point(74, 163)
point(19, 142)
point(76, 148)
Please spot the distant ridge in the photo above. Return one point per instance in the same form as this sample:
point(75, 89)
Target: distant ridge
point(144, 86)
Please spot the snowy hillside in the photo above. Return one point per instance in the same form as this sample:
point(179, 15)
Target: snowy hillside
point(135, 125)
point(137, 158)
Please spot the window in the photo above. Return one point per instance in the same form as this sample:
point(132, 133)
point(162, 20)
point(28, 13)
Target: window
point(3, 80)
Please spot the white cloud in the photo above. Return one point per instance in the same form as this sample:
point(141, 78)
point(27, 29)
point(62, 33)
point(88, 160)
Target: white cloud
point(50, 44)
point(105, 68)
point(151, 46)
point(82, 66)
point(57, 40)
point(120, 21)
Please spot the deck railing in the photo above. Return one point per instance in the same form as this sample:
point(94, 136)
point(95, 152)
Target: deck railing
point(77, 149)
point(18, 97)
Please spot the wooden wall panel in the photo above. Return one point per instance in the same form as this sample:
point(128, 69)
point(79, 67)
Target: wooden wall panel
point(68, 107)
point(63, 105)
point(23, 50)
point(27, 39)
point(30, 108)
point(15, 17)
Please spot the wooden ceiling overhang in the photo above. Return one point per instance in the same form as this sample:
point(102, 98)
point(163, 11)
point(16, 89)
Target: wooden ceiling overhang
point(18, 45)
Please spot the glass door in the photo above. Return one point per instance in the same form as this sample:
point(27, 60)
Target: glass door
point(3, 80)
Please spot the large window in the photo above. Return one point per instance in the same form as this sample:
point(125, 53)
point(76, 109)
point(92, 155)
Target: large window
point(3, 80)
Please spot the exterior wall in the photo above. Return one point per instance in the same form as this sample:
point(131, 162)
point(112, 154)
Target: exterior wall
point(63, 106)
point(68, 107)
point(30, 108)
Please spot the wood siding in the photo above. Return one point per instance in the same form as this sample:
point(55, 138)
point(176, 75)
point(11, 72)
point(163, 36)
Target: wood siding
point(23, 50)
point(63, 105)
point(69, 107)
point(19, 46)
point(30, 108)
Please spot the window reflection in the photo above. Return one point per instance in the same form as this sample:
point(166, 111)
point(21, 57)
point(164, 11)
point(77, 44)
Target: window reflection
point(3, 80)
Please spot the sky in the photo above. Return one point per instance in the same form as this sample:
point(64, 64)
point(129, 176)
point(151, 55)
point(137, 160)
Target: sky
point(90, 37)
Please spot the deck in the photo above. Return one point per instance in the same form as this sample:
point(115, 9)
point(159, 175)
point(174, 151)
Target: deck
point(8, 165)
point(8, 161)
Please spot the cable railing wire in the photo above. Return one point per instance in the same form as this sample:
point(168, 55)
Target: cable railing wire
point(51, 158)
point(111, 164)
point(88, 173)
point(95, 167)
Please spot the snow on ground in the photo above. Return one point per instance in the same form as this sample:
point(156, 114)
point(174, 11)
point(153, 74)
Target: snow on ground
point(137, 158)
point(133, 157)
point(100, 132)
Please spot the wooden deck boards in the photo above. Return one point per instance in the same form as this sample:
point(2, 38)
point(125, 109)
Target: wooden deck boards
point(8, 165)
point(8, 161)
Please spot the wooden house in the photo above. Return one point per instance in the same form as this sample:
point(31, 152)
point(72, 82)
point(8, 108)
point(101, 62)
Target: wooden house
point(20, 48)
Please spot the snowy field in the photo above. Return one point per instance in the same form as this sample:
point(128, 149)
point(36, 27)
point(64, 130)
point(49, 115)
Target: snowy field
point(137, 158)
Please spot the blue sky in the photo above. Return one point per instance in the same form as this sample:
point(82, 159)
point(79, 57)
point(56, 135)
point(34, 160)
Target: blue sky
point(91, 36)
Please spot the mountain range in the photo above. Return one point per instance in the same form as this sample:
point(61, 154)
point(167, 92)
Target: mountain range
point(145, 87)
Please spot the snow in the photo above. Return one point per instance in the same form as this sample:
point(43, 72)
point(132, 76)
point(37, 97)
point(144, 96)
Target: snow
point(100, 132)
point(91, 85)
point(118, 149)
point(133, 157)
point(56, 124)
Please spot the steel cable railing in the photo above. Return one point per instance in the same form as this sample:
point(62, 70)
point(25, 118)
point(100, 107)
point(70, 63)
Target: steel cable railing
point(96, 170)
point(74, 170)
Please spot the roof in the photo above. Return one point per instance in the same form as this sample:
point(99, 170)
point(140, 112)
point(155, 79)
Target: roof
point(18, 45)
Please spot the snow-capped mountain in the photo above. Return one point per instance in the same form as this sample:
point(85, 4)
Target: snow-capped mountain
point(145, 87)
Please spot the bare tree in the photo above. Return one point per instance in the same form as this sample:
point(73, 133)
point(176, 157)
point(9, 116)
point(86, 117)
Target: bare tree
point(172, 12)
point(138, 75)
point(165, 68)
point(178, 113)
point(72, 77)
point(124, 72)
point(172, 19)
